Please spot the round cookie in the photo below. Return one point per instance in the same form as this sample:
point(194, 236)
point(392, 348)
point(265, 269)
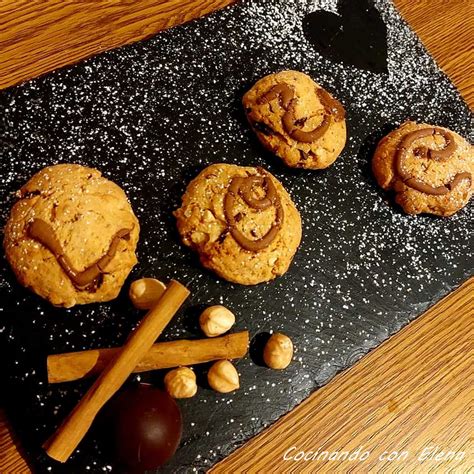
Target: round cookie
point(242, 223)
point(430, 168)
point(71, 236)
point(296, 119)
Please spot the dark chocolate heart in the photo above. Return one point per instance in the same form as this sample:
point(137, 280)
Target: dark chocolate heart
point(357, 36)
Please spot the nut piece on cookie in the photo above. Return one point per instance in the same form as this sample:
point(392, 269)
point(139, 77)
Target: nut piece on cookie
point(71, 236)
point(430, 168)
point(242, 223)
point(298, 120)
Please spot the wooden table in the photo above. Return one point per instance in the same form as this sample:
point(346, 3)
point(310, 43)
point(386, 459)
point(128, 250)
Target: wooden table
point(411, 393)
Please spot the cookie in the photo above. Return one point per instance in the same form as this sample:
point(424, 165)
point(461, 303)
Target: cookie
point(296, 119)
point(71, 236)
point(242, 223)
point(430, 168)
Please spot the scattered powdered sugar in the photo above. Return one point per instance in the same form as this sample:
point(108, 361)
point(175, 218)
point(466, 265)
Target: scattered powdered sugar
point(151, 116)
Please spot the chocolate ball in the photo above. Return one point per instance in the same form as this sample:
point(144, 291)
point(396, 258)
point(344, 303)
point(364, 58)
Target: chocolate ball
point(148, 427)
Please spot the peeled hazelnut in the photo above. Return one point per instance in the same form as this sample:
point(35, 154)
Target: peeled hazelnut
point(146, 292)
point(208, 216)
point(199, 237)
point(223, 377)
point(216, 320)
point(272, 260)
point(278, 351)
point(181, 383)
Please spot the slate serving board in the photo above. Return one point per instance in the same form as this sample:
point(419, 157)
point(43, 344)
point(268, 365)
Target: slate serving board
point(151, 116)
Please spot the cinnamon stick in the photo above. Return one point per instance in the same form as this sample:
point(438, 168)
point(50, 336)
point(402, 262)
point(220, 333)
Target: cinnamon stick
point(163, 355)
point(62, 444)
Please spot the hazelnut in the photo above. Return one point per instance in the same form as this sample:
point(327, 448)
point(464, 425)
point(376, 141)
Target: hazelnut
point(208, 216)
point(145, 292)
point(199, 237)
point(278, 351)
point(216, 320)
point(181, 383)
point(272, 260)
point(188, 212)
point(223, 377)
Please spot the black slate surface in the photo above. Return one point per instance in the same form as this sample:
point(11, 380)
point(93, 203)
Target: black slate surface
point(151, 116)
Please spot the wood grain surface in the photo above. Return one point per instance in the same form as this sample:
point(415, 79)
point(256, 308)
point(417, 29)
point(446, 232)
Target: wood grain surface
point(411, 393)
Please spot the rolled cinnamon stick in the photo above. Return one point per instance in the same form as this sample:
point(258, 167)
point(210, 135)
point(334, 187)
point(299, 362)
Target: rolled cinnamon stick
point(163, 355)
point(66, 438)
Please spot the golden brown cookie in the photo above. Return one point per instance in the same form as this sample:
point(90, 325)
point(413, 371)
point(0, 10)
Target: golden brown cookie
point(296, 119)
point(242, 223)
point(430, 168)
point(71, 236)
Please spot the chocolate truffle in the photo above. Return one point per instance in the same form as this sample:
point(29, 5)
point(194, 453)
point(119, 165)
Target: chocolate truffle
point(148, 427)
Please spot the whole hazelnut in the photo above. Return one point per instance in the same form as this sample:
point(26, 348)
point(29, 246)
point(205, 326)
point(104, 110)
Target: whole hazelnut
point(216, 320)
point(181, 383)
point(145, 292)
point(278, 351)
point(223, 377)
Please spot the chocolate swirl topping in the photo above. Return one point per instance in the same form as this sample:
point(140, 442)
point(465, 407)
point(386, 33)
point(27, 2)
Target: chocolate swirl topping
point(287, 101)
point(443, 154)
point(42, 232)
point(245, 188)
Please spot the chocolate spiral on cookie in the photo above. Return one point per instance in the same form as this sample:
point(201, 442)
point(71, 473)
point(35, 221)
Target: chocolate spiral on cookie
point(244, 187)
point(42, 232)
point(292, 125)
point(443, 154)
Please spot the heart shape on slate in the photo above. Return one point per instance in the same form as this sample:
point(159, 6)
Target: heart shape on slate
point(357, 36)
